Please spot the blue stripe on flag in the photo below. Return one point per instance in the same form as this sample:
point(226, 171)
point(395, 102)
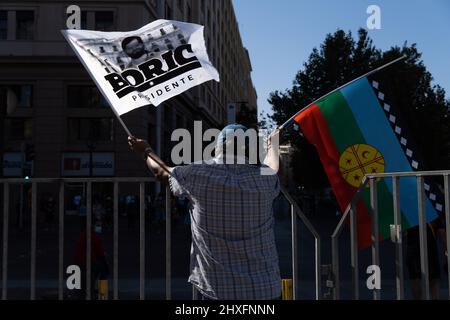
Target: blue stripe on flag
point(377, 132)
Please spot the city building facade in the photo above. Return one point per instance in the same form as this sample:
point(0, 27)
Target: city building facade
point(61, 113)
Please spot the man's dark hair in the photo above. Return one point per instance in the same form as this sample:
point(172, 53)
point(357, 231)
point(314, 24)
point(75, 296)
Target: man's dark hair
point(127, 40)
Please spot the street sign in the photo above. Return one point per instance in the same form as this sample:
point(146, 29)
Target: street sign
point(76, 164)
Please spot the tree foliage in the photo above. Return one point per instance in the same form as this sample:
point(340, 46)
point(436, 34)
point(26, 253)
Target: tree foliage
point(340, 59)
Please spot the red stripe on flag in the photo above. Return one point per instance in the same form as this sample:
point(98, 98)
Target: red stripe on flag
point(315, 128)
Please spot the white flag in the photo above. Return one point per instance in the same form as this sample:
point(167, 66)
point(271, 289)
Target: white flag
point(146, 66)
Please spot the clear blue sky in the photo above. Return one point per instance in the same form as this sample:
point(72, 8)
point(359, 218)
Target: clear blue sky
point(280, 34)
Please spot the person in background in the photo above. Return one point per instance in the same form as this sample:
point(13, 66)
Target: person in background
point(99, 264)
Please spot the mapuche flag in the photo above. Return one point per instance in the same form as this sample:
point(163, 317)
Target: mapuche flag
point(146, 66)
point(356, 131)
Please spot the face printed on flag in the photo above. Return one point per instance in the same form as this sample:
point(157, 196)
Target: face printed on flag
point(146, 66)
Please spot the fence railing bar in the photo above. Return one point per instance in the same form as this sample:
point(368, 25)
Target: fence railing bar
point(335, 256)
point(194, 293)
point(33, 243)
point(335, 243)
point(294, 248)
point(317, 243)
point(168, 245)
point(116, 242)
point(407, 174)
point(141, 242)
point(88, 239)
point(318, 261)
point(375, 233)
point(61, 242)
point(423, 239)
point(5, 241)
point(399, 279)
point(78, 180)
point(354, 250)
point(447, 224)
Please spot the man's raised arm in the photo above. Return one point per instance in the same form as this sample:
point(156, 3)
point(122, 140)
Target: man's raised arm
point(273, 158)
point(160, 170)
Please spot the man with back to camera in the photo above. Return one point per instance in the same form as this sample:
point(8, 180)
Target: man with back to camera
point(233, 254)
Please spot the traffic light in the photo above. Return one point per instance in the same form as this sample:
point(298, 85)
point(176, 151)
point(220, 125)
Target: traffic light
point(29, 152)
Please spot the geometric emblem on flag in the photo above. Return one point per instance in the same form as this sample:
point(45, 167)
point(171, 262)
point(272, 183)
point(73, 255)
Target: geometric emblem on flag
point(358, 160)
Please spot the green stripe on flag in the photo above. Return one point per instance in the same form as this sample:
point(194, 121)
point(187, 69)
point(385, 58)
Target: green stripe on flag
point(385, 209)
point(338, 115)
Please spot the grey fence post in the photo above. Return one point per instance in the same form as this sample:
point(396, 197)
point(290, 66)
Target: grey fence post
point(447, 223)
point(116, 242)
point(294, 247)
point(296, 211)
point(61, 242)
point(141, 242)
point(375, 236)
point(399, 279)
point(168, 245)
point(423, 239)
point(335, 256)
point(317, 246)
point(335, 269)
point(318, 259)
point(5, 240)
point(88, 239)
point(33, 243)
point(354, 250)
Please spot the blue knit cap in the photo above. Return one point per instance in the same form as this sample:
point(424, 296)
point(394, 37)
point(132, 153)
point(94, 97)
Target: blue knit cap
point(230, 129)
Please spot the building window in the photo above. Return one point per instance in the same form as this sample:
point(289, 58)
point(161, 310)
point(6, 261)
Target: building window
point(3, 24)
point(180, 121)
point(168, 120)
point(104, 20)
point(189, 13)
point(84, 24)
point(17, 129)
point(181, 6)
point(23, 94)
point(24, 25)
point(85, 97)
point(168, 12)
point(151, 135)
point(90, 129)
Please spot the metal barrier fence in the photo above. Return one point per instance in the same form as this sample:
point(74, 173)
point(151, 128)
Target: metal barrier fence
point(351, 213)
point(296, 212)
point(61, 182)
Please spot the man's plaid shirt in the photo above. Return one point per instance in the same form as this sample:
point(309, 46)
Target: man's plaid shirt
point(233, 254)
